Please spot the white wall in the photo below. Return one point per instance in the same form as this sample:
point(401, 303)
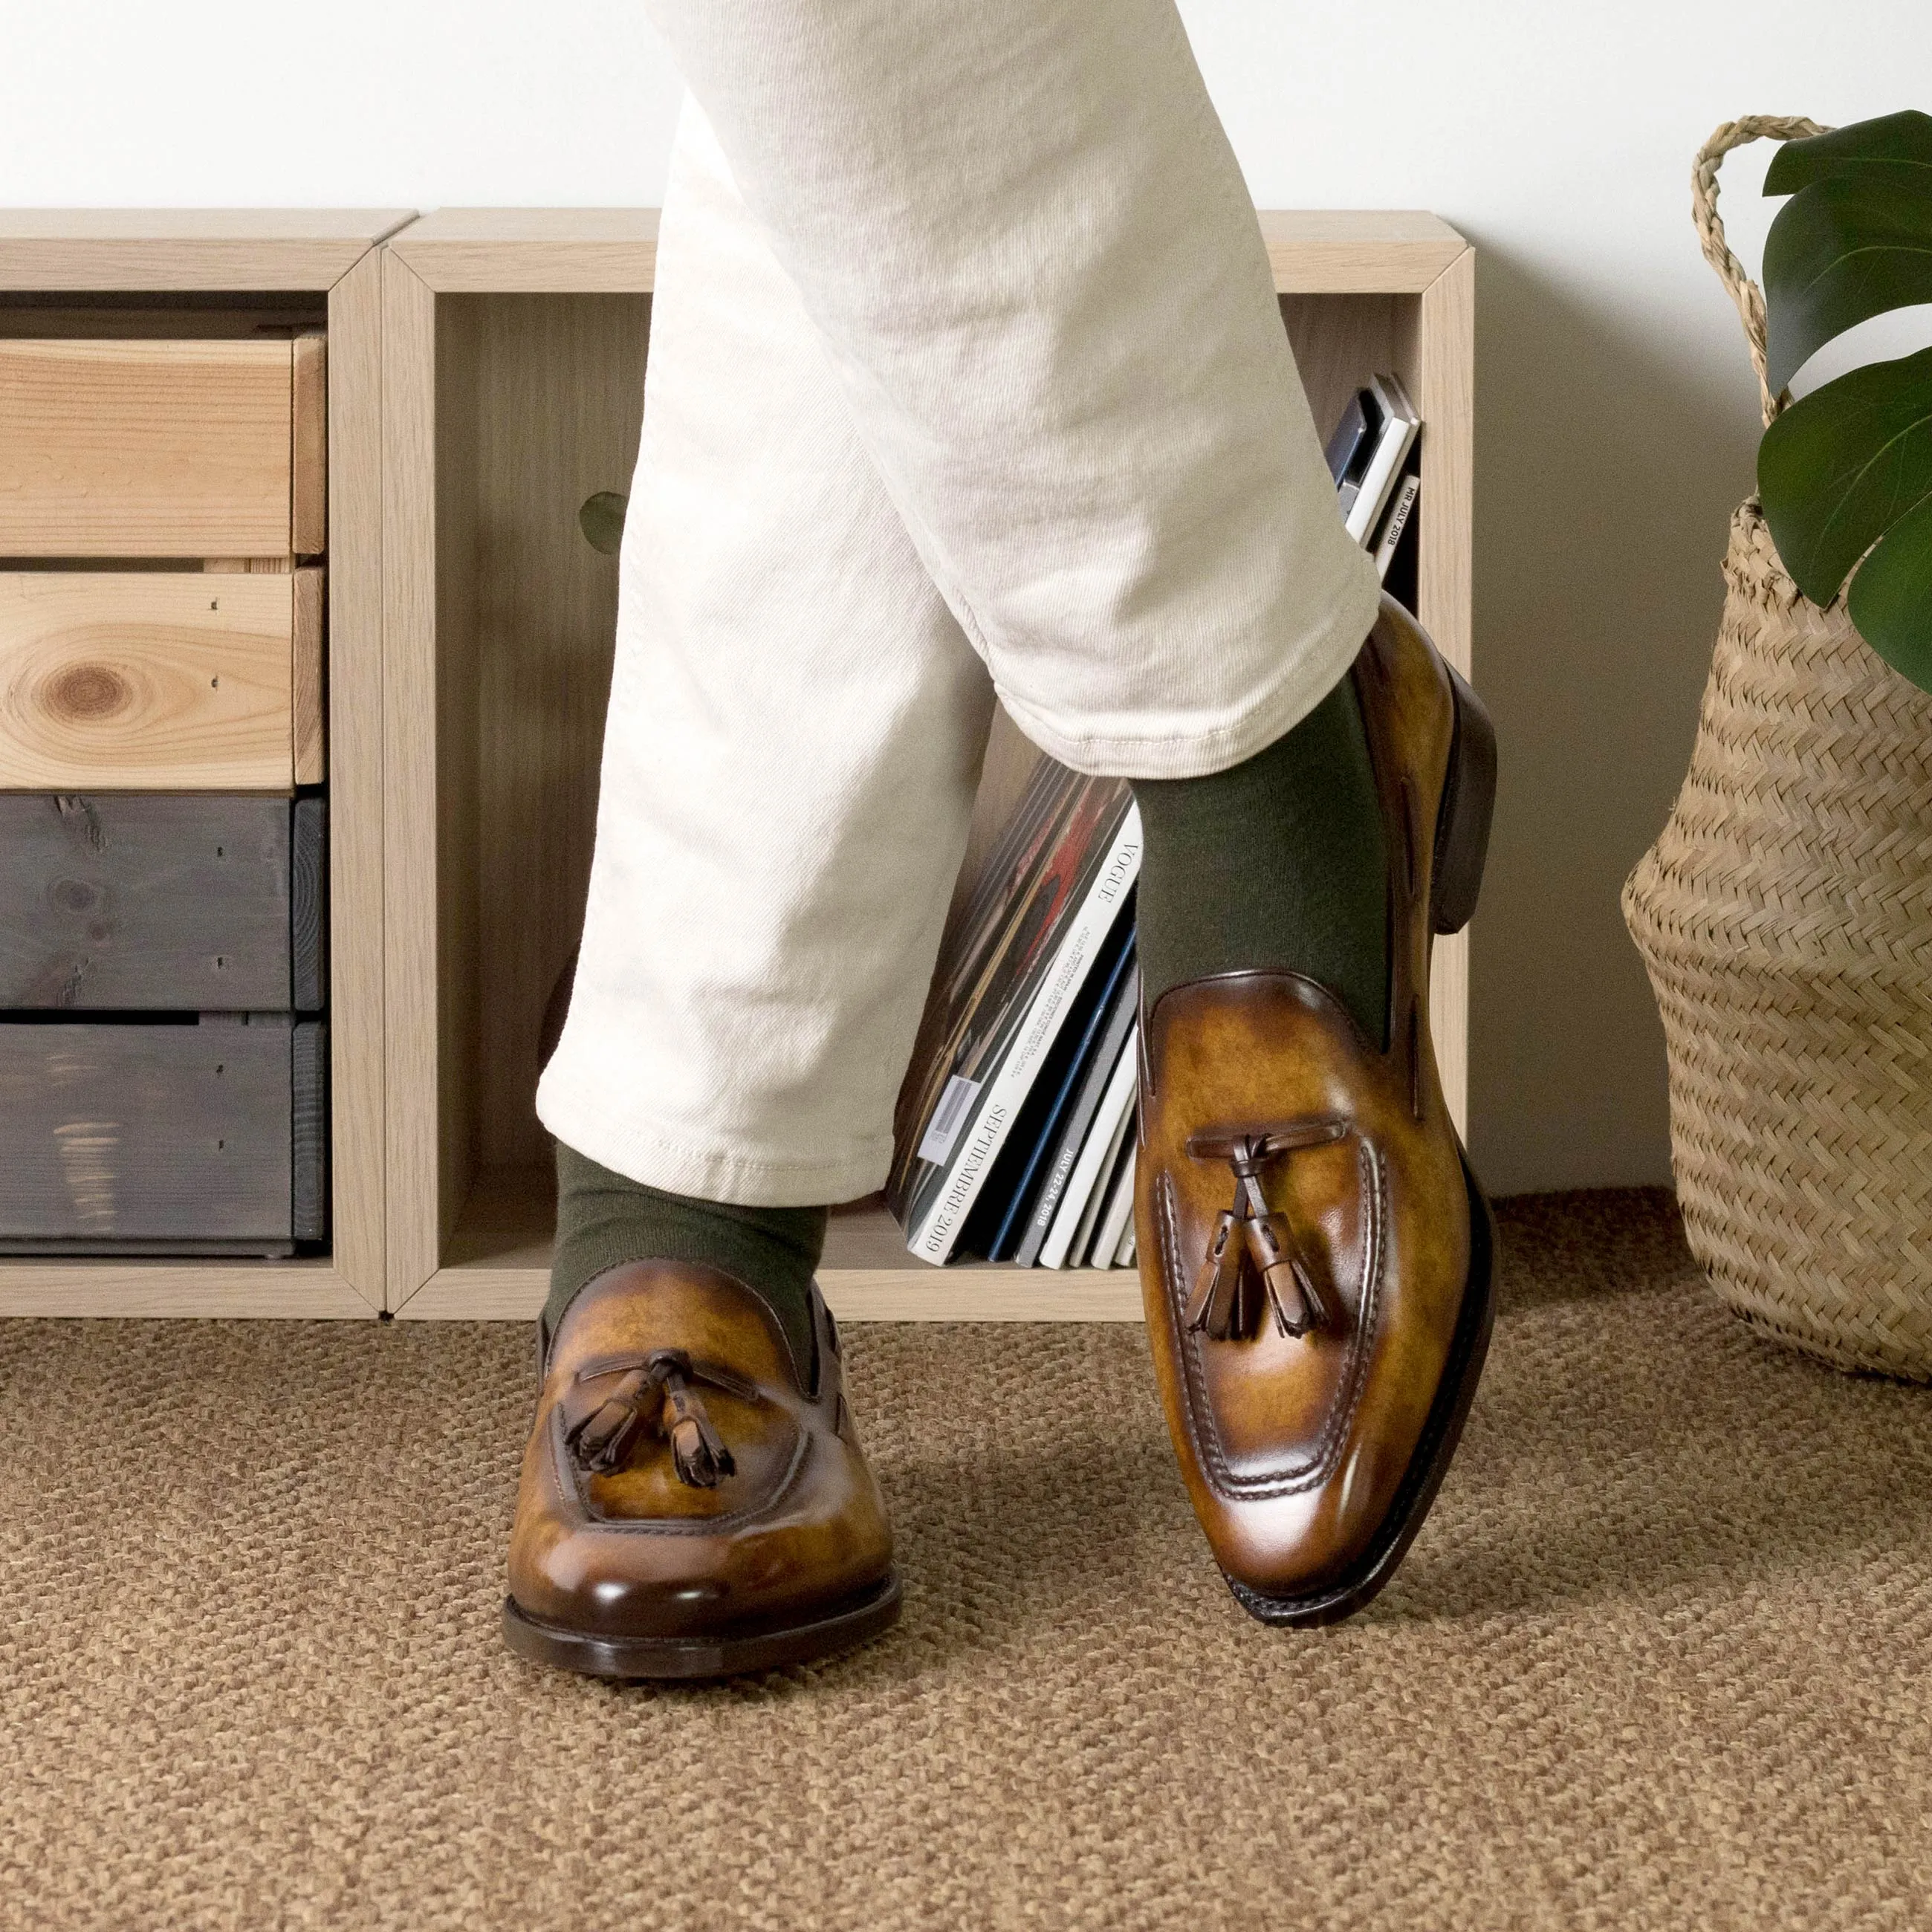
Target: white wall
point(1616, 410)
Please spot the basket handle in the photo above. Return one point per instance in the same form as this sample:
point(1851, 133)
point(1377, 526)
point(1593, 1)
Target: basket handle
point(1743, 291)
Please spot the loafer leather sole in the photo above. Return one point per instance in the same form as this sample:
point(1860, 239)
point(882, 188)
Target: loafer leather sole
point(737, 1654)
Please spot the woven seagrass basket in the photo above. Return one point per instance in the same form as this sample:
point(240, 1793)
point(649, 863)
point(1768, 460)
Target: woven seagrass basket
point(1785, 916)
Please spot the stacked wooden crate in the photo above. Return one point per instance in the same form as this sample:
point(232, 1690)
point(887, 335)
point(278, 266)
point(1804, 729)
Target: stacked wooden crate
point(164, 1050)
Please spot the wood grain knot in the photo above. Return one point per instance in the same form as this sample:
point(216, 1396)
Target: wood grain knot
point(88, 692)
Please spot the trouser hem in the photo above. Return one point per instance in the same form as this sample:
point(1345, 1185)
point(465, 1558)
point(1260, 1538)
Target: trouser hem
point(644, 1152)
point(1310, 670)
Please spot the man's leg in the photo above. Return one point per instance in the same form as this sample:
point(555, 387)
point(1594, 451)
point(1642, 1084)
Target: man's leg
point(795, 730)
point(795, 733)
point(1024, 247)
point(1021, 235)
point(1025, 241)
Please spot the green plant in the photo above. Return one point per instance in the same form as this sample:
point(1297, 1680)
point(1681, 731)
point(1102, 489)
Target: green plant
point(1845, 474)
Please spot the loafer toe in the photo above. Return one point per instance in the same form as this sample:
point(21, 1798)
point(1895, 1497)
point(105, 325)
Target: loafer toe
point(691, 1493)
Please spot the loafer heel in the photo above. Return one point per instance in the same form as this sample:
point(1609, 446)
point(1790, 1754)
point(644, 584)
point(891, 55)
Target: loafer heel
point(1469, 803)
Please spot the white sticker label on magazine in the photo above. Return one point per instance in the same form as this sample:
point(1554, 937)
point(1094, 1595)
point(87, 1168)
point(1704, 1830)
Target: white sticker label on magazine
point(948, 1117)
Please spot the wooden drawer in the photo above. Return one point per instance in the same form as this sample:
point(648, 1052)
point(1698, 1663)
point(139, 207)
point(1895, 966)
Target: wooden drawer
point(183, 902)
point(162, 448)
point(160, 680)
point(206, 1136)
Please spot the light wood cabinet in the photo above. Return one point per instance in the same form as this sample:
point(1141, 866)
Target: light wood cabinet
point(190, 407)
point(483, 373)
point(514, 344)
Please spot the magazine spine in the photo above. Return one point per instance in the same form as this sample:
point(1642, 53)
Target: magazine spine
point(1100, 1070)
point(934, 1235)
point(1102, 1145)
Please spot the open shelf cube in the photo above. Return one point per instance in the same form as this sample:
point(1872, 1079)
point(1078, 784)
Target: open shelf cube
point(514, 347)
point(178, 278)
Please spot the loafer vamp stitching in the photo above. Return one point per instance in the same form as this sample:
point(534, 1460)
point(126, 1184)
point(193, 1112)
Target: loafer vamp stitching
point(1298, 1467)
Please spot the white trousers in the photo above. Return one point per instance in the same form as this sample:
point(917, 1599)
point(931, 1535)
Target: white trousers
point(966, 377)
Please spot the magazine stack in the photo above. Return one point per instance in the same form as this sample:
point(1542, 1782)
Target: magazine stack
point(1015, 1132)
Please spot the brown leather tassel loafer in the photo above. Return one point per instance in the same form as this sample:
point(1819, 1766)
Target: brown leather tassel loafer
point(1318, 1262)
point(694, 1502)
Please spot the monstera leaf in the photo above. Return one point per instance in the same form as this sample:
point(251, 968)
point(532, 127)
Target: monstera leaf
point(1846, 475)
point(1856, 239)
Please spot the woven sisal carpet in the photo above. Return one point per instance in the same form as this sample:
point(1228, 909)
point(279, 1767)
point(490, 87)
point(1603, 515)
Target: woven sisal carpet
point(1662, 1657)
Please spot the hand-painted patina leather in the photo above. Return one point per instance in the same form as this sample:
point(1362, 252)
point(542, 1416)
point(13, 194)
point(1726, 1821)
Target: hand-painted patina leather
point(694, 1501)
point(1317, 1342)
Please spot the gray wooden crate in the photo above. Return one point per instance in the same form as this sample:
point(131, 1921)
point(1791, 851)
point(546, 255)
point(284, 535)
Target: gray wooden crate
point(163, 902)
point(121, 1137)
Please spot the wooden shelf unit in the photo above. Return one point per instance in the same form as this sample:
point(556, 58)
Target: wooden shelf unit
point(514, 351)
point(115, 273)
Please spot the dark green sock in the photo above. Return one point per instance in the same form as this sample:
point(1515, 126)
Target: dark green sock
point(603, 1220)
point(1277, 864)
